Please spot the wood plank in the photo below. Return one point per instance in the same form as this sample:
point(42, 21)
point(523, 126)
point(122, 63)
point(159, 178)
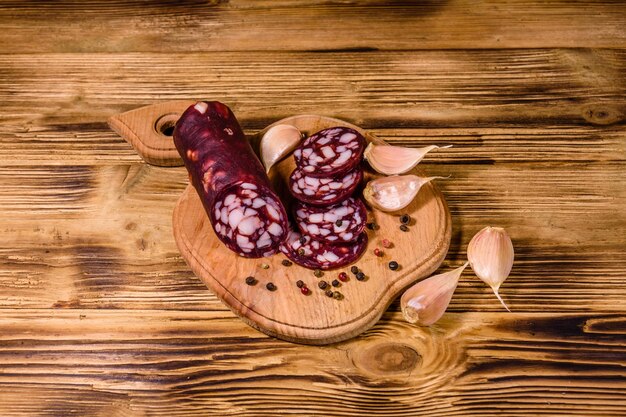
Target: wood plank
point(248, 25)
point(184, 364)
point(100, 236)
point(409, 89)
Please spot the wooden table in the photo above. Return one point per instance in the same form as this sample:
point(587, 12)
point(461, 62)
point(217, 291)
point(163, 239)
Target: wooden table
point(102, 317)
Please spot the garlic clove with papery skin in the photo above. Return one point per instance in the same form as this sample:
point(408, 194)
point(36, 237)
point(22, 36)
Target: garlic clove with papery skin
point(490, 254)
point(394, 192)
point(394, 160)
point(277, 143)
point(425, 302)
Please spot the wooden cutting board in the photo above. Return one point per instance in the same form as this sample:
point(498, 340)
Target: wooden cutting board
point(286, 313)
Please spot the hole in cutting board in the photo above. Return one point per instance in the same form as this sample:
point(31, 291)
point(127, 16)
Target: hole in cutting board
point(166, 123)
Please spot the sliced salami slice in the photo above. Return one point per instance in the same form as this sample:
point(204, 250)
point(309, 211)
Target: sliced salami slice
point(330, 152)
point(314, 254)
point(324, 191)
point(247, 216)
point(338, 223)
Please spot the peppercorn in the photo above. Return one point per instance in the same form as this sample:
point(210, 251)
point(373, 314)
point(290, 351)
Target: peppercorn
point(393, 265)
point(301, 251)
point(329, 293)
point(378, 252)
point(404, 228)
point(335, 283)
point(405, 219)
point(265, 266)
point(372, 226)
point(337, 295)
point(270, 286)
point(318, 273)
point(354, 270)
point(305, 290)
point(360, 276)
point(322, 285)
point(287, 262)
point(343, 276)
point(302, 240)
point(250, 280)
point(386, 243)
point(299, 283)
point(339, 223)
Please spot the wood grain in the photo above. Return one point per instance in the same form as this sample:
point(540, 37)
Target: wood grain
point(268, 25)
point(100, 316)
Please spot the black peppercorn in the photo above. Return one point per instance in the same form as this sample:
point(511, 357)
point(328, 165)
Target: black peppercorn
point(300, 283)
point(322, 285)
point(302, 240)
point(318, 273)
point(360, 276)
point(354, 270)
point(270, 286)
point(335, 283)
point(287, 262)
point(372, 226)
point(404, 228)
point(393, 265)
point(250, 280)
point(329, 293)
point(339, 223)
point(405, 219)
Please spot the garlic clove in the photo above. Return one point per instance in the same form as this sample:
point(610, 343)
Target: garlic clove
point(394, 192)
point(393, 160)
point(425, 302)
point(277, 143)
point(490, 254)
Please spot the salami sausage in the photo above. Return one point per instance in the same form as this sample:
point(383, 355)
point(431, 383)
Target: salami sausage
point(330, 152)
point(338, 223)
point(230, 180)
point(324, 191)
point(310, 253)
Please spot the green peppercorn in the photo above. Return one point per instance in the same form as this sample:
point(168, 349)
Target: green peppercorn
point(300, 283)
point(329, 293)
point(405, 219)
point(270, 286)
point(360, 276)
point(337, 295)
point(318, 273)
point(250, 280)
point(372, 225)
point(265, 266)
point(322, 285)
point(404, 228)
point(301, 251)
point(354, 270)
point(335, 283)
point(393, 265)
point(287, 262)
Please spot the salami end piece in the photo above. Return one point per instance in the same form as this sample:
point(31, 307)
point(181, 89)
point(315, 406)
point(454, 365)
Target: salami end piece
point(247, 216)
point(324, 191)
point(338, 223)
point(330, 152)
point(314, 254)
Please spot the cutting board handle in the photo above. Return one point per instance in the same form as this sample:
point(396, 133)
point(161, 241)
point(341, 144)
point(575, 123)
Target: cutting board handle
point(149, 130)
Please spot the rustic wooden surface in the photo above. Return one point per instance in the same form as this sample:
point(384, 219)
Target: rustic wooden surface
point(102, 317)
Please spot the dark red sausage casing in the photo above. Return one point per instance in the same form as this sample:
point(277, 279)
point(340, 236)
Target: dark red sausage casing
point(234, 189)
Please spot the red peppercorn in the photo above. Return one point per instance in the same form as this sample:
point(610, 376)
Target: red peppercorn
point(343, 276)
point(378, 252)
point(305, 290)
point(386, 243)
